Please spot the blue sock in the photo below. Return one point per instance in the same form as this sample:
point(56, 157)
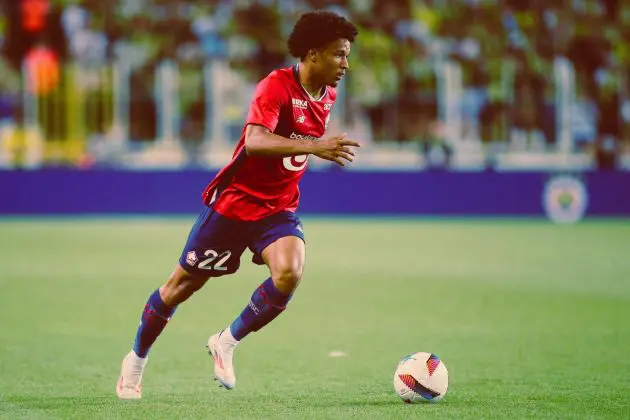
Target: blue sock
point(266, 304)
point(154, 318)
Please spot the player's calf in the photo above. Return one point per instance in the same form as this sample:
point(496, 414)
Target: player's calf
point(285, 259)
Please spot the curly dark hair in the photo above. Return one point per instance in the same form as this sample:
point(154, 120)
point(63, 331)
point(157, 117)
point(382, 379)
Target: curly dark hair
point(318, 29)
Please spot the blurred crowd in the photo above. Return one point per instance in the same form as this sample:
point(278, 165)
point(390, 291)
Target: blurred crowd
point(506, 50)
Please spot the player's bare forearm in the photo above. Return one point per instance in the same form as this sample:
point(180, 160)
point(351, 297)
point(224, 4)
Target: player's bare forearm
point(259, 141)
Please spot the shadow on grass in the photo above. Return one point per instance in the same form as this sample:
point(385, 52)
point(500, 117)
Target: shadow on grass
point(369, 401)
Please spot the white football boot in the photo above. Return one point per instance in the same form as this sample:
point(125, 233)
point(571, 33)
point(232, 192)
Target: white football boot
point(221, 348)
point(129, 386)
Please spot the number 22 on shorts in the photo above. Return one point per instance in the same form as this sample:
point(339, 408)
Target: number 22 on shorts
point(209, 263)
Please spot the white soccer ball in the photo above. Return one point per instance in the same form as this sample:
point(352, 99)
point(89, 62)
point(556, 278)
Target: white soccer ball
point(421, 377)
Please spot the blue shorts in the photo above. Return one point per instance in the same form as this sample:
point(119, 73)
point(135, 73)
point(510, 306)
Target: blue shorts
point(215, 243)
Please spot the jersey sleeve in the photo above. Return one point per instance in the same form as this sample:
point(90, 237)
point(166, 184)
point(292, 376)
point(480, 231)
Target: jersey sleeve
point(265, 107)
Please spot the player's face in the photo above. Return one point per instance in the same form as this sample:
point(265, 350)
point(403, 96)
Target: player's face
point(333, 62)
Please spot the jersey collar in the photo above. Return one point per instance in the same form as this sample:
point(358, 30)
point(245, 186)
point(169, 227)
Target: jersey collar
point(297, 79)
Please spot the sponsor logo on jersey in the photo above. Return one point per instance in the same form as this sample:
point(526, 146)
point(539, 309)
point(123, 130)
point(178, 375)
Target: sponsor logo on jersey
point(300, 103)
point(301, 119)
point(328, 106)
point(302, 137)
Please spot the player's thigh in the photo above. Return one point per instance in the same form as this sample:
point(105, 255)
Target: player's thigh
point(278, 242)
point(214, 246)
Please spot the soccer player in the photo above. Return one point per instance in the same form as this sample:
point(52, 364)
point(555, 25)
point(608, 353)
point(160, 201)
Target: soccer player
point(251, 202)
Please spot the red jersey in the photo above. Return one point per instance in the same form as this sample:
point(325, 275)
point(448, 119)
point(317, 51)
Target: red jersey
point(252, 187)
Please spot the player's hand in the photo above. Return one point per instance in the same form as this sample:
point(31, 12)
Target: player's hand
point(338, 149)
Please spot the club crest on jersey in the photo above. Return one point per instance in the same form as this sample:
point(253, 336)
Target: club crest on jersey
point(300, 103)
point(191, 258)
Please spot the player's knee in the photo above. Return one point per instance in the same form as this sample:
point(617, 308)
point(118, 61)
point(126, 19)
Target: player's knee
point(286, 277)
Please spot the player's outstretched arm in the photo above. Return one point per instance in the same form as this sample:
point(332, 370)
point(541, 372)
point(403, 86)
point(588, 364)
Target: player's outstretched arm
point(259, 141)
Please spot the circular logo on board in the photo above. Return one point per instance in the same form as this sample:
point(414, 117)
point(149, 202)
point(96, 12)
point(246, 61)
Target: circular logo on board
point(565, 199)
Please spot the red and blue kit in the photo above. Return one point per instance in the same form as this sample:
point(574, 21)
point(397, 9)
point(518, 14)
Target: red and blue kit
point(251, 202)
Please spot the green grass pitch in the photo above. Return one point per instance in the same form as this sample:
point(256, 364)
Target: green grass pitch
point(531, 319)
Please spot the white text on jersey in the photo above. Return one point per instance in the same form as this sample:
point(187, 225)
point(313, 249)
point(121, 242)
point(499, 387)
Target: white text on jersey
point(300, 103)
point(302, 137)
